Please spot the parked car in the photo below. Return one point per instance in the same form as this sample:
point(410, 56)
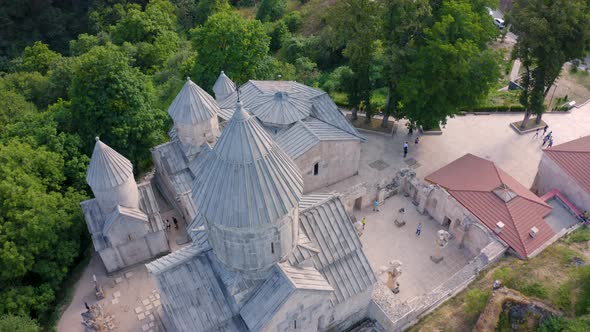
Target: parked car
point(499, 23)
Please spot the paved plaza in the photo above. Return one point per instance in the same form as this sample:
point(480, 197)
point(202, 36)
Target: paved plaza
point(383, 242)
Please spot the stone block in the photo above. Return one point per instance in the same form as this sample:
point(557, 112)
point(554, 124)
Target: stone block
point(138, 310)
point(115, 301)
point(149, 307)
point(145, 302)
point(145, 327)
point(118, 280)
point(141, 316)
point(152, 318)
point(157, 295)
point(157, 303)
point(117, 294)
point(128, 275)
point(152, 298)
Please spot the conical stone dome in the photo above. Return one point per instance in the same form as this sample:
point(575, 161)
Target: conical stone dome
point(192, 105)
point(248, 190)
point(246, 179)
point(110, 175)
point(223, 87)
point(108, 168)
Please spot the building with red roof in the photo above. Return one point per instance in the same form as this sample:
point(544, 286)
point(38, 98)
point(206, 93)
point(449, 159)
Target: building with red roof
point(502, 204)
point(566, 167)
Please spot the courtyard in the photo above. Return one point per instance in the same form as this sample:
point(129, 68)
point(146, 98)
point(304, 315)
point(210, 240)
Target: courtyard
point(383, 242)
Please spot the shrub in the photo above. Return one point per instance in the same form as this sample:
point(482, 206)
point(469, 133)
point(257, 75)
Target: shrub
point(271, 10)
point(293, 21)
point(475, 301)
point(534, 289)
point(506, 276)
point(580, 235)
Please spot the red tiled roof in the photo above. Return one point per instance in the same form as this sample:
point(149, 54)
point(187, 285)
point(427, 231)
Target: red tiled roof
point(574, 158)
point(472, 180)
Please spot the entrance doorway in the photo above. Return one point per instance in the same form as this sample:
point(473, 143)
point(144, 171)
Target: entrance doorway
point(358, 204)
point(446, 223)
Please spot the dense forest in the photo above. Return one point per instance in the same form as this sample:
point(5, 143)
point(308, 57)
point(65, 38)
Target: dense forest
point(73, 70)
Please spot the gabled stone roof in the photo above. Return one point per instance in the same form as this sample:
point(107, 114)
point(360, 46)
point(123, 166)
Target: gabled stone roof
point(107, 167)
point(223, 87)
point(246, 179)
point(192, 105)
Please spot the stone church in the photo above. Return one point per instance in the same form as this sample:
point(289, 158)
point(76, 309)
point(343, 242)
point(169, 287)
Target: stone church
point(265, 254)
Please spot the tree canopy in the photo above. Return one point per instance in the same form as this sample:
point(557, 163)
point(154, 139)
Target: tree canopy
point(230, 43)
point(550, 33)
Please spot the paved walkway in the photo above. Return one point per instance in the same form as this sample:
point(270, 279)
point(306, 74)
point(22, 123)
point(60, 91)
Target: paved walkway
point(384, 242)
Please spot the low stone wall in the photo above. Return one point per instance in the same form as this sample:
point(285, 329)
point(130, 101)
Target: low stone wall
point(395, 315)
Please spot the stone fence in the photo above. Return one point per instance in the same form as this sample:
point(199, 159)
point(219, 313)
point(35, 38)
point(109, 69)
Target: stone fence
point(395, 315)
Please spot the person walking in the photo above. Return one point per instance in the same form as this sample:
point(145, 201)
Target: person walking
point(545, 129)
point(550, 142)
point(364, 222)
point(419, 229)
point(417, 140)
point(549, 135)
point(175, 222)
point(376, 205)
point(537, 133)
point(167, 225)
point(405, 149)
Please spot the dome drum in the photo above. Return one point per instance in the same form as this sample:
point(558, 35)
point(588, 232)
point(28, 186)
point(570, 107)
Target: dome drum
point(254, 250)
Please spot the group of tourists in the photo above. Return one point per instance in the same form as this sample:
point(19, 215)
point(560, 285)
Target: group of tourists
point(167, 224)
point(546, 138)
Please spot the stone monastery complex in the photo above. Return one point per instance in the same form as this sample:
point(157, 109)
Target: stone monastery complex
point(271, 246)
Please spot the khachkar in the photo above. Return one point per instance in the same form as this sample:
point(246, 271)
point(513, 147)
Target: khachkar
point(442, 239)
point(263, 256)
point(122, 233)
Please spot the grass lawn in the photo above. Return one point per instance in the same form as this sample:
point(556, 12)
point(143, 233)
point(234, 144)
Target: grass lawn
point(374, 125)
point(551, 276)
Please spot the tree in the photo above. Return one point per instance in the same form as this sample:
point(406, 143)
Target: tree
point(18, 324)
point(115, 101)
point(41, 227)
point(137, 26)
point(37, 57)
point(355, 25)
point(453, 67)
point(550, 33)
point(206, 8)
point(231, 43)
point(271, 10)
point(403, 22)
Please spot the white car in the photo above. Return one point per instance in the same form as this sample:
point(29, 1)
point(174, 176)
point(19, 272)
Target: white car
point(499, 22)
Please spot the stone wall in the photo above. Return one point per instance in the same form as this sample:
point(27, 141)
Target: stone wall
point(394, 315)
point(303, 311)
point(337, 160)
point(550, 176)
point(350, 312)
point(140, 250)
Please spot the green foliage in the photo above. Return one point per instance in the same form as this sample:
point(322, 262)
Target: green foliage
point(278, 34)
point(306, 71)
point(230, 43)
point(40, 227)
point(294, 21)
point(550, 33)
point(271, 10)
point(32, 85)
point(583, 303)
point(115, 101)
point(36, 58)
point(270, 68)
point(206, 8)
point(354, 25)
point(475, 301)
point(579, 236)
point(186, 12)
point(18, 324)
point(454, 49)
point(83, 44)
point(564, 324)
point(137, 26)
point(336, 80)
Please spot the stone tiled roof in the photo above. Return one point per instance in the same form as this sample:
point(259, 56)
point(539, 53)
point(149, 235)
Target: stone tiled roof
point(191, 295)
point(223, 87)
point(574, 158)
point(304, 135)
point(494, 196)
point(107, 167)
point(259, 96)
point(246, 179)
point(276, 289)
point(193, 105)
point(339, 270)
point(341, 259)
